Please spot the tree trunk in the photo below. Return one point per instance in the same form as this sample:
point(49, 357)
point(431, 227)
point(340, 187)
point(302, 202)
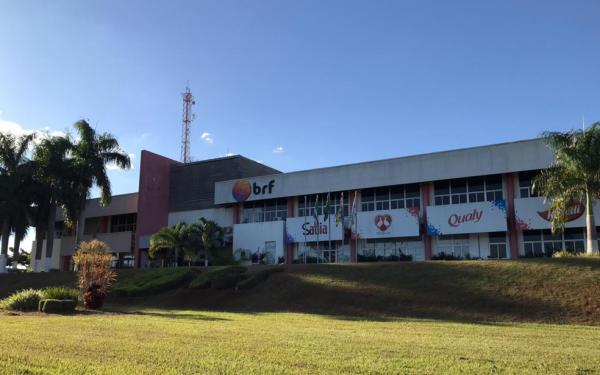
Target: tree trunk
point(590, 225)
point(50, 236)
point(80, 228)
point(16, 250)
point(39, 247)
point(206, 259)
point(5, 237)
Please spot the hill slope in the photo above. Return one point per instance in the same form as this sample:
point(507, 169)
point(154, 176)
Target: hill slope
point(535, 290)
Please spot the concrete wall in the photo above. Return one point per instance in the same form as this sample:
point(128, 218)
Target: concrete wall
point(120, 204)
point(192, 185)
point(252, 237)
point(476, 161)
point(222, 216)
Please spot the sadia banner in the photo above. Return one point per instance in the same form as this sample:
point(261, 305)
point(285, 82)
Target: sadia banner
point(534, 213)
point(477, 217)
point(300, 229)
point(389, 223)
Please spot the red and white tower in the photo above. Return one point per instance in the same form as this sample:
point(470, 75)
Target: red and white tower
point(188, 117)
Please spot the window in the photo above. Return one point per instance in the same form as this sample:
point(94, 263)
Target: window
point(468, 190)
point(267, 210)
point(497, 245)
point(525, 182)
point(306, 204)
point(123, 223)
point(457, 245)
point(539, 243)
point(394, 197)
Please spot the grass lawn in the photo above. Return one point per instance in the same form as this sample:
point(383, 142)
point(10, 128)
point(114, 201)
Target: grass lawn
point(184, 341)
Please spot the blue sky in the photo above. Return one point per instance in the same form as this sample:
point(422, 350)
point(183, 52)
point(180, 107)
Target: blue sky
point(300, 84)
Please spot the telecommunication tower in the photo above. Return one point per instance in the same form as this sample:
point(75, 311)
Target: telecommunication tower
point(188, 117)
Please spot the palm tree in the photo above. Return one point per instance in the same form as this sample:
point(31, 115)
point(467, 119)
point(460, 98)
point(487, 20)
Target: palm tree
point(574, 178)
point(15, 187)
point(212, 237)
point(169, 239)
point(54, 184)
point(90, 155)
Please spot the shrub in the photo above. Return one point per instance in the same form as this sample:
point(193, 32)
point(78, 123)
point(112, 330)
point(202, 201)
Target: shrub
point(93, 261)
point(223, 257)
point(24, 300)
point(61, 293)
point(445, 256)
point(153, 282)
point(57, 306)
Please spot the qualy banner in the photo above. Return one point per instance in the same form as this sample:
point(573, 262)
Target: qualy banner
point(534, 213)
point(388, 223)
point(300, 229)
point(476, 217)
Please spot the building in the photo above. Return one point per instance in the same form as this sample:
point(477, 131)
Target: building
point(114, 224)
point(471, 203)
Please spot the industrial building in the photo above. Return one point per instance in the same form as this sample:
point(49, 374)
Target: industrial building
point(471, 203)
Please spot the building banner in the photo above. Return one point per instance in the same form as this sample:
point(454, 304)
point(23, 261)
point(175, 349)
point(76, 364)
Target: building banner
point(534, 213)
point(388, 223)
point(477, 217)
point(300, 230)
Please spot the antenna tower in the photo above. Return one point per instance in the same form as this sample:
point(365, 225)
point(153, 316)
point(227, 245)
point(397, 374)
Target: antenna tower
point(188, 117)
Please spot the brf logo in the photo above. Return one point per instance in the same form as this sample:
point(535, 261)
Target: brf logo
point(242, 189)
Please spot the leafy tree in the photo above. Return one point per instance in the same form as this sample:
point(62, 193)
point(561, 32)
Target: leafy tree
point(574, 178)
point(168, 240)
point(15, 188)
point(212, 237)
point(22, 257)
point(90, 155)
point(54, 179)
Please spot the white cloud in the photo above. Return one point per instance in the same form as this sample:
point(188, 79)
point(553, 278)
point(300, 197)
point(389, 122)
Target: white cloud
point(278, 150)
point(207, 137)
point(11, 127)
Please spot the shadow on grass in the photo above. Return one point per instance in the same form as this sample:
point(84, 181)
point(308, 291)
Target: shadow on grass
point(470, 291)
point(171, 315)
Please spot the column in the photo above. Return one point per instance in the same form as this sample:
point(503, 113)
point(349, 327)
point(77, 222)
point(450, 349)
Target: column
point(426, 201)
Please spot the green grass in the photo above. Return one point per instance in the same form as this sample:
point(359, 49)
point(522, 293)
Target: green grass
point(174, 342)
point(151, 282)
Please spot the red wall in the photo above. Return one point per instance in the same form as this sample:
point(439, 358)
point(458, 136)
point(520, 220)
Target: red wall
point(153, 199)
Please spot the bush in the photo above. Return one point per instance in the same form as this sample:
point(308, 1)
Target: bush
point(444, 256)
point(61, 293)
point(223, 257)
point(93, 261)
point(57, 306)
point(24, 300)
point(153, 282)
point(388, 258)
point(219, 279)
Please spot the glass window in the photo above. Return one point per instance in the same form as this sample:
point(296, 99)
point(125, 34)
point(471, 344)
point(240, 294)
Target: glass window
point(394, 197)
point(123, 223)
point(525, 184)
point(474, 189)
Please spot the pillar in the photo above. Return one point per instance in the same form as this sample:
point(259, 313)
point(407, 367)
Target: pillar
point(426, 201)
point(291, 205)
point(513, 236)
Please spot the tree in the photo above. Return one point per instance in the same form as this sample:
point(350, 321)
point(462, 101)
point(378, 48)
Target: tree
point(574, 178)
point(212, 237)
point(168, 240)
point(20, 258)
point(54, 185)
point(15, 188)
point(90, 155)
